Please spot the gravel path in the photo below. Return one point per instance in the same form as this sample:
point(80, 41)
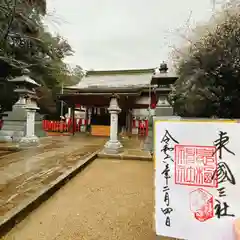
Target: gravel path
point(109, 200)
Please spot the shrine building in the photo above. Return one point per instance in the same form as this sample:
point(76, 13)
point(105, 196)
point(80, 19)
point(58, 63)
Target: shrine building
point(128, 95)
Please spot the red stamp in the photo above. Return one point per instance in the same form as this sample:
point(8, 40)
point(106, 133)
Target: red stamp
point(195, 165)
point(201, 204)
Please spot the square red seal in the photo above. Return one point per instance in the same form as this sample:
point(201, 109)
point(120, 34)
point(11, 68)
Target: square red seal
point(195, 165)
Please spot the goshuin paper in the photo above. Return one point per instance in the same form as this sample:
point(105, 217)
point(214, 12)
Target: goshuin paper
point(197, 179)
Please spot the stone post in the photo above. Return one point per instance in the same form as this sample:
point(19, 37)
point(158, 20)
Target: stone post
point(84, 127)
point(113, 146)
point(30, 138)
point(148, 143)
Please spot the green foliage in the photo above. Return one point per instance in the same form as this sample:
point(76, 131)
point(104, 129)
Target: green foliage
point(209, 68)
point(25, 43)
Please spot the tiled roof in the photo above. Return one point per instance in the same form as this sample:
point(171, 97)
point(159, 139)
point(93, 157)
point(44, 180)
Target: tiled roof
point(115, 79)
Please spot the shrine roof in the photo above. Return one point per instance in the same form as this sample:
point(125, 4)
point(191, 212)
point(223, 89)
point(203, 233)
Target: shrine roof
point(114, 79)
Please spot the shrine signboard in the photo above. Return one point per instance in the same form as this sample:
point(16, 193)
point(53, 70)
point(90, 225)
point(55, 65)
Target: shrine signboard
point(197, 173)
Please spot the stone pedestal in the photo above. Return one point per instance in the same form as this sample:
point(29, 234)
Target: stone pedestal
point(14, 124)
point(113, 146)
point(30, 138)
point(148, 143)
point(163, 107)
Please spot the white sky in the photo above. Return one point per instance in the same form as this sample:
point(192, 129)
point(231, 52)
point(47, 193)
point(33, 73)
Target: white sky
point(122, 34)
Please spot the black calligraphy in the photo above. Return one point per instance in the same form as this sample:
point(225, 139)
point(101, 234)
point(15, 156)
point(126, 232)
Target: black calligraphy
point(223, 174)
point(165, 173)
point(221, 143)
point(166, 211)
point(222, 192)
point(221, 210)
point(167, 199)
point(167, 137)
point(168, 222)
point(167, 149)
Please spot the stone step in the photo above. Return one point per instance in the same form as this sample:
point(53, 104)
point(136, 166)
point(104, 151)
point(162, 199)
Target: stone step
point(11, 132)
point(13, 127)
point(17, 123)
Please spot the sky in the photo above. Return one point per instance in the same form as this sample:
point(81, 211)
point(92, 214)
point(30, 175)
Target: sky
point(126, 34)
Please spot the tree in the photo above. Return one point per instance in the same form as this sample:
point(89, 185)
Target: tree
point(75, 76)
point(209, 68)
point(24, 43)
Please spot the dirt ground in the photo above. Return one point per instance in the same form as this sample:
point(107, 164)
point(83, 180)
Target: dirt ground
point(25, 173)
point(109, 200)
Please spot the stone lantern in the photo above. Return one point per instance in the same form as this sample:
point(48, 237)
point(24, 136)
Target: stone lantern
point(19, 123)
point(163, 79)
point(31, 107)
point(113, 146)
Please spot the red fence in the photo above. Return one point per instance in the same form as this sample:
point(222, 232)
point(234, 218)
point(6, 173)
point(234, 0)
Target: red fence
point(61, 126)
point(67, 126)
point(141, 126)
point(77, 126)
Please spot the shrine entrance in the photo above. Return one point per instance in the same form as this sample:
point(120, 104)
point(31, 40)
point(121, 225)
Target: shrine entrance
point(97, 110)
point(99, 123)
point(100, 119)
point(100, 116)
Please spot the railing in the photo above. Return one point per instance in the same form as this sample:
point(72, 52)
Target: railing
point(140, 127)
point(64, 126)
point(79, 125)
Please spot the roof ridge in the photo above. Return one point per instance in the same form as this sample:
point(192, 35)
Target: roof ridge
point(120, 71)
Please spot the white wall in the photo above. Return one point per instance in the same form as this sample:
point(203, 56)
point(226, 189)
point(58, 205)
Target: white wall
point(140, 112)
